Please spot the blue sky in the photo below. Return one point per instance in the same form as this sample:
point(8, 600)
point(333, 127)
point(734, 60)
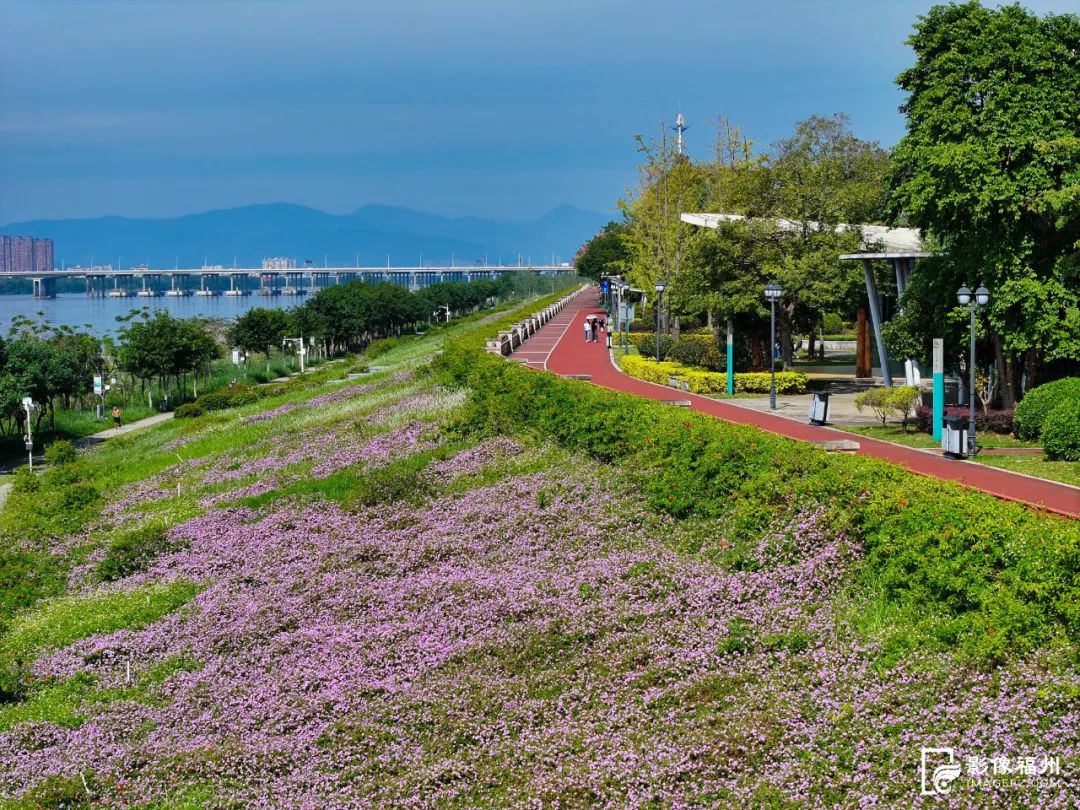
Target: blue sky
point(495, 108)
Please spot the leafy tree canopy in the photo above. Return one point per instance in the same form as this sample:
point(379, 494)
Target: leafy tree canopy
point(990, 168)
point(604, 254)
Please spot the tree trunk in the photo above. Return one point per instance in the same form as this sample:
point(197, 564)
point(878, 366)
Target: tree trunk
point(784, 330)
point(757, 354)
point(676, 327)
point(1031, 367)
point(811, 341)
point(1005, 374)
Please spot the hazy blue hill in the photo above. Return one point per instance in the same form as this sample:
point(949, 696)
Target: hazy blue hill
point(249, 233)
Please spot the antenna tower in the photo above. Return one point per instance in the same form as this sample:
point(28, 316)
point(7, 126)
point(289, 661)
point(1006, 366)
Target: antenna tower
point(679, 128)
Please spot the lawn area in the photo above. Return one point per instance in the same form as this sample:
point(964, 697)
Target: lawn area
point(1067, 472)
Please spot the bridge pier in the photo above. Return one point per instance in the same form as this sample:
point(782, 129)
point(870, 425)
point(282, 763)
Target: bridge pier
point(294, 284)
point(174, 291)
point(117, 291)
point(147, 291)
point(44, 287)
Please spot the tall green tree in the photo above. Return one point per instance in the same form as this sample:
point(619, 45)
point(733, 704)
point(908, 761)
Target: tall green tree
point(656, 240)
point(824, 177)
point(604, 254)
point(990, 167)
point(195, 348)
point(260, 330)
point(797, 198)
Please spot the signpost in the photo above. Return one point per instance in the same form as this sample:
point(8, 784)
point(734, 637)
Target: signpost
point(302, 349)
point(730, 358)
point(626, 316)
point(939, 386)
point(28, 404)
point(99, 390)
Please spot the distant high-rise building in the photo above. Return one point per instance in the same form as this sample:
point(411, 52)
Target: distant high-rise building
point(25, 254)
point(22, 254)
point(279, 263)
point(43, 254)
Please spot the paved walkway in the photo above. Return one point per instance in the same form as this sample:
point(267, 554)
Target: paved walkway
point(560, 347)
point(535, 351)
point(85, 441)
point(842, 408)
point(112, 433)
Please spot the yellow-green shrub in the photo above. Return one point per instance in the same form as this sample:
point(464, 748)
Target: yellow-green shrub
point(711, 382)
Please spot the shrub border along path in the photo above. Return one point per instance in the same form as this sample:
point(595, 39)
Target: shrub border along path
point(571, 355)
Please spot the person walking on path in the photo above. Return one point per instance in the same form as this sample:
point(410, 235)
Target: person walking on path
point(116, 416)
point(588, 331)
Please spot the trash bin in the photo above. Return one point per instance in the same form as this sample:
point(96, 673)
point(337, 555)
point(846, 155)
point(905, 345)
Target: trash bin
point(819, 408)
point(954, 437)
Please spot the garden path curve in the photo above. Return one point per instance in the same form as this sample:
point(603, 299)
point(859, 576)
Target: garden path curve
point(569, 354)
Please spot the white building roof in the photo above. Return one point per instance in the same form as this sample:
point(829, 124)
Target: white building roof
point(878, 241)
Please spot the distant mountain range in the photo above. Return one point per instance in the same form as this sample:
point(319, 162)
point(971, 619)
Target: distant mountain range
point(250, 233)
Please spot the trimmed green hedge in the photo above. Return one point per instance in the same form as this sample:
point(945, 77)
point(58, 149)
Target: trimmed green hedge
point(965, 569)
point(637, 338)
point(1036, 405)
point(1061, 432)
point(189, 410)
point(233, 397)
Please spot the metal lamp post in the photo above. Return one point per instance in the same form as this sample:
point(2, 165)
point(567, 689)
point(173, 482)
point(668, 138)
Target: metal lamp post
point(980, 299)
point(661, 284)
point(28, 404)
point(773, 291)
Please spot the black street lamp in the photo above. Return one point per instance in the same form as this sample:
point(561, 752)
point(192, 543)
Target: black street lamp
point(773, 291)
point(980, 299)
point(661, 284)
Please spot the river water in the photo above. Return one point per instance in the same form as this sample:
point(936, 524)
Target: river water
point(98, 315)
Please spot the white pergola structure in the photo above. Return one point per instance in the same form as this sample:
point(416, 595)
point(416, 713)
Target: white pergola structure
point(899, 246)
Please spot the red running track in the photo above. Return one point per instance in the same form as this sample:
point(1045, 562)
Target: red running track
point(560, 347)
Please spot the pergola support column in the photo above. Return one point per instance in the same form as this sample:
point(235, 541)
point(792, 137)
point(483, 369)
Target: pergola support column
point(875, 321)
point(904, 267)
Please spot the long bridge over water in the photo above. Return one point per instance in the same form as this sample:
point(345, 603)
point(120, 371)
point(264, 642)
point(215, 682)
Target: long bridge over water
point(145, 282)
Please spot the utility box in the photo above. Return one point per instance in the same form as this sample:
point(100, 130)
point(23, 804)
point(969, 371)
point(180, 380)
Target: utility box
point(954, 437)
point(819, 408)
